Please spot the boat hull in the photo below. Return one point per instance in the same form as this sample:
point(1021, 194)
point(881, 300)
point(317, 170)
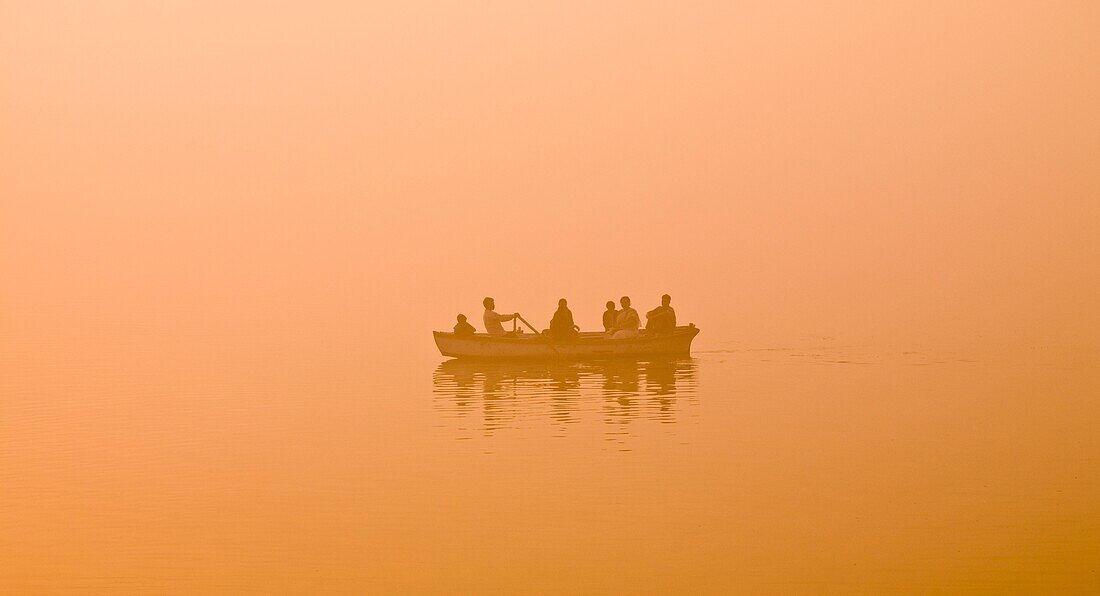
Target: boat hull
point(587, 345)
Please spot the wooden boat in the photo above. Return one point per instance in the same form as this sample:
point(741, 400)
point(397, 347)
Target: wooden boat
point(586, 345)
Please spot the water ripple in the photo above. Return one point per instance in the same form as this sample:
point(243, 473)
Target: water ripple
point(499, 395)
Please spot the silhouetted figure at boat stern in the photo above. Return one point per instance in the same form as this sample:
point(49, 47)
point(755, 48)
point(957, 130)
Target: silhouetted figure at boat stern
point(562, 325)
point(462, 328)
point(662, 319)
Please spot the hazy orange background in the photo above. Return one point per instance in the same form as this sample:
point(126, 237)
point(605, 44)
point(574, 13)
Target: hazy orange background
point(222, 223)
point(911, 170)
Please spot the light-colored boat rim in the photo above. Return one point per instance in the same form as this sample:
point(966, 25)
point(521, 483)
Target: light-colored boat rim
point(587, 345)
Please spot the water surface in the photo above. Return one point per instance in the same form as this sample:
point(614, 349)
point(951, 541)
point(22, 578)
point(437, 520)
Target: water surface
point(757, 468)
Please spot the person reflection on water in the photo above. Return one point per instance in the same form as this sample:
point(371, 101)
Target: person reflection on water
point(627, 323)
point(492, 320)
point(562, 325)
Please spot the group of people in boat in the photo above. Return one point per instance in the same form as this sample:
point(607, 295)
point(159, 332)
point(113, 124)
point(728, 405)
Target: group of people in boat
point(617, 323)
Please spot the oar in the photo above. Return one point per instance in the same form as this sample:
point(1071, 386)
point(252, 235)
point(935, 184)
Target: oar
point(549, 341)
point(532, 327)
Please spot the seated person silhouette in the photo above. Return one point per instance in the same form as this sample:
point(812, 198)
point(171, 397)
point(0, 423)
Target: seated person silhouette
point(562, 325)
point(626, 323)
point(462, 327)
point(492, 320)
point(609, 316)
point(661, 320)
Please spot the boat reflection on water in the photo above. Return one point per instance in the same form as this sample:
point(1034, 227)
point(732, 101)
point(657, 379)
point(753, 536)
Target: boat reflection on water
point(497, 395)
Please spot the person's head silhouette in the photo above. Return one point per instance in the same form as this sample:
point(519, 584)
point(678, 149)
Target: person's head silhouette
point(488, 303)
point(666, 300)
point(625, 301)
point(610, 305)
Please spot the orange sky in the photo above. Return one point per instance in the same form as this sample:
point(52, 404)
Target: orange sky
point(915, 171)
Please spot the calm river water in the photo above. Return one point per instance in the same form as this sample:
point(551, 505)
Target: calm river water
point(753, 468)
